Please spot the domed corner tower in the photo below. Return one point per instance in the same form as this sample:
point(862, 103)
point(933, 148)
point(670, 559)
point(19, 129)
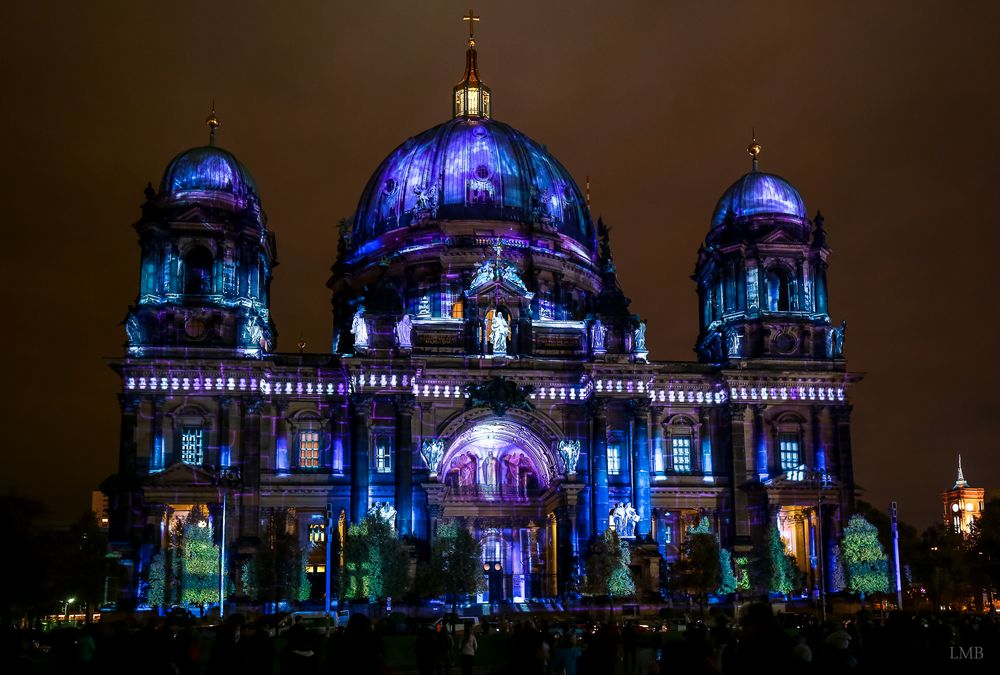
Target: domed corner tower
point(470, 239)
point(207, 261)
point(761, 276)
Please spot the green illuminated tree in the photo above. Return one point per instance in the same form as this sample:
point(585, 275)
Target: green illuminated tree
point(608, 571)
point(698, 571)
point(779, 568)
point(200, 560)
point(838, 580)
point(864, 560)
point(375, 561)
point(455, 565)
point(727, 577)
point(156, 590)
point(742, 573)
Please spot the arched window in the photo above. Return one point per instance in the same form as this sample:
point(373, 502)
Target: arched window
point(198, 271)
point(778, 290)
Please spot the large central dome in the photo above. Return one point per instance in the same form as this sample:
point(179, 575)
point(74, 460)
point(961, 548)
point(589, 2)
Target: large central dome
point(472, 168)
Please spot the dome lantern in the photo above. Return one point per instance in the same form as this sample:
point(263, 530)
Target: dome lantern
point(471, 96)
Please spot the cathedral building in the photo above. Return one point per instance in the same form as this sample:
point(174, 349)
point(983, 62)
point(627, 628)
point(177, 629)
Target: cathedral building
point(485, 366)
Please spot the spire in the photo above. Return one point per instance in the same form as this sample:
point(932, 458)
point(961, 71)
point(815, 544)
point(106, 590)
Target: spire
point(753, 149)
point(961, 482)
point(213, 123)
point(471, 97)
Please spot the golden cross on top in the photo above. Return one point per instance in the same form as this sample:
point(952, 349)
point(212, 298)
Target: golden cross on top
point(472, 18)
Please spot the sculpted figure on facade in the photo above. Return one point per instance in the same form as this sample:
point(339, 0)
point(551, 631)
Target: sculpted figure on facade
point(404, 332)
point(499, 333)
point(569, 451)
point(432, 451)
point(359, 328)
point(598, 336)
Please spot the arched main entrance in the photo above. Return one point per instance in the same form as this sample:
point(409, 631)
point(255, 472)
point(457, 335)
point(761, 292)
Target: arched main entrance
point(497, 472)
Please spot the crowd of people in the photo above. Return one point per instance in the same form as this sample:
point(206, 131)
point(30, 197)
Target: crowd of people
point(758, 640)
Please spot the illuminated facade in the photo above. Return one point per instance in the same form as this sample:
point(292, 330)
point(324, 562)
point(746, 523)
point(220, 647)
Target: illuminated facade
point(962, 504)
point(485, 365)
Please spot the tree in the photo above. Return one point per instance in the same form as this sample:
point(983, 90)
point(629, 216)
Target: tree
point(156, 590)
point(727, 583)
point(376, 562)
point(608, 571)
point(864, 560)
point(455, 566)
point(280, 563)
point(200, 560)
point(698, 572)
point(777, 570)
point(984, 545)
point(838, 579)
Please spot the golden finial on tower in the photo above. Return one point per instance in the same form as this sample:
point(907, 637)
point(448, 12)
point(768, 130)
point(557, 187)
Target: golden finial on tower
point(213, 123)
point(472, 18)
point(754, 148)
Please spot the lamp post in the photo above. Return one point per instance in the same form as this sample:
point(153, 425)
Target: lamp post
point(66, 608)
point(225, 478)
point(328, 536)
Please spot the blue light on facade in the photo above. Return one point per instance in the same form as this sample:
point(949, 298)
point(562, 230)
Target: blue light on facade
point(758, 193)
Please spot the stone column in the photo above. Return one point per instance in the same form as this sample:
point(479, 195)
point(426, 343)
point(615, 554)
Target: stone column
point(659, 457)
point(761, 468)
point(249, 500)
point(158, 456)
point(361, 408)
point(819, 452)
point(404, 463)
point(282, 453)
point(126, 435)
point(222, 452)
point(640, 464)
point(845, 460)
point(706, 458)
point(741, 439)
point(599, 464)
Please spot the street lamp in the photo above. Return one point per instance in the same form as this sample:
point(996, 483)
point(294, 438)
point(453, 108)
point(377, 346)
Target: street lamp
point(66, 608)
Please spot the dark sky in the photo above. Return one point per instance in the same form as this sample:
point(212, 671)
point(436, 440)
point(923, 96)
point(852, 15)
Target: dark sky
point(883, 114)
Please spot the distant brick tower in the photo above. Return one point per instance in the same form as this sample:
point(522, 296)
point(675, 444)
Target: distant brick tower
point(962, 503)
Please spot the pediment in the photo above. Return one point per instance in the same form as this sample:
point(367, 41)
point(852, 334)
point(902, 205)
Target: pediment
point(777, 236)
point(182, 474)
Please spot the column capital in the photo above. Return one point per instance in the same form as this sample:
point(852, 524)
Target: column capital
point(598, 406)
point(639, 406)
point(129, 402)
point(252, 405)
point(223, 401)
point(361, 405)
point(404, 403)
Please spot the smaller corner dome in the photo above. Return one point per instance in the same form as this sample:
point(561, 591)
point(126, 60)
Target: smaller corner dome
point(208, 169)
point(759, 193)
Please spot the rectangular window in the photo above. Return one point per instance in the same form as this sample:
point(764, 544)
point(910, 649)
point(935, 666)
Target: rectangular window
point(317, 533)
point(192, 445)
point(788, 448)
point(614, 458)
point(309, 449)
point(680, 447)
point(383, 462)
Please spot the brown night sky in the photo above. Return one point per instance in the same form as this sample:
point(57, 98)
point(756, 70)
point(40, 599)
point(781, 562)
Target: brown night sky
point(883, 114)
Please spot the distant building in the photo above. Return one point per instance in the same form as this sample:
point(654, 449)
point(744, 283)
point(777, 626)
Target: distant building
point(962, 503)
point(99, 505)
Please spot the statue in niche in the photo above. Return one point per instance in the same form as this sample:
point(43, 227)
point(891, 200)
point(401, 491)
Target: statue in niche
point(569, 451)
point(598, 336)
point(424, 308)
point(734, 340)
point(253, 332)
point(631, 518)
point(404, 332)
point(490, 470)
point(467, 472)
point(432, 451)
point(499, 334)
